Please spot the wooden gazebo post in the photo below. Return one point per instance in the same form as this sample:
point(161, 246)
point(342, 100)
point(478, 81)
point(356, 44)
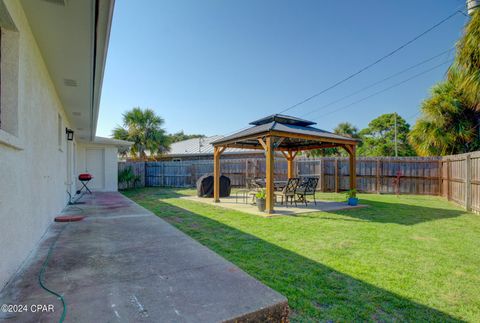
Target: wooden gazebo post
point(270, 162)
point(217, 151)
point(269, 171)
point(351, 149)
point(290, 156)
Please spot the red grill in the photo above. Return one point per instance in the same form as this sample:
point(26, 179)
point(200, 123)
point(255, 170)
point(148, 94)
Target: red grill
point(85, 178)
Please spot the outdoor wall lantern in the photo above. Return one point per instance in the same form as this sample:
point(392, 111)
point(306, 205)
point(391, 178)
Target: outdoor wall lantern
point(69, 134)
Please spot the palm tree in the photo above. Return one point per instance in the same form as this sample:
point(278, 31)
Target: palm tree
point(468, 60)
point(449, 123)
point(144, 128)
point(346, 129)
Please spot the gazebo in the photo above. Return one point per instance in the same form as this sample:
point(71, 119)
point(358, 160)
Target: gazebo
point(286, 134)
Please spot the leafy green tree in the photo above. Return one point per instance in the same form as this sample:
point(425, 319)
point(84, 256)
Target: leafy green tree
point(344, 129)
point(449, 123)
point(180, 136)
point(379, 137)
point(144, 128)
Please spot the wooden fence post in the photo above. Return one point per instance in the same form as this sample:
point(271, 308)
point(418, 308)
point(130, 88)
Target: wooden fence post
point(322, 174)
point(377, 183)
point(468, 183)
point(440, 177)
point(448, 179)
point(163, 174)
point(337, 177)
point(245, 180)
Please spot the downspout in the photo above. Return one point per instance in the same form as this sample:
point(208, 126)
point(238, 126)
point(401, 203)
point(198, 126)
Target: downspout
point(94, 67)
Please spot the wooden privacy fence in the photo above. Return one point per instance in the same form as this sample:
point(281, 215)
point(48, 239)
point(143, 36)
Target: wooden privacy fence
point(454, 177)
point(460, 180)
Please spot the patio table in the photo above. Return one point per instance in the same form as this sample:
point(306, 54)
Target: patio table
point(278, 184)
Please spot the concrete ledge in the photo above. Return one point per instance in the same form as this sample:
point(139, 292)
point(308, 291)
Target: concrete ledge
point(274, 314)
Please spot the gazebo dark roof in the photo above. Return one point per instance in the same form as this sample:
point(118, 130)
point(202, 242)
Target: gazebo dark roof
point(298, 134)
point(286, 134)
point(281, 118)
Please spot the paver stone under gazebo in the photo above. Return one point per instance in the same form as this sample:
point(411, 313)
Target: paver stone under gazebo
point(286, 134)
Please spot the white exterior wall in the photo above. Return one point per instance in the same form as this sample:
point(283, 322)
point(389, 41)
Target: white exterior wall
point(33, 169)
point(110, 166)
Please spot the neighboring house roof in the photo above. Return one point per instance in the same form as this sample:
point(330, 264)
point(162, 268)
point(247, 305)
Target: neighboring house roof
point(202, 147)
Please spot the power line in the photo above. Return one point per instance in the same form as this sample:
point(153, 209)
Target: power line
point(388, 88)
point(378, 82)
point(413, 115)
point(372, 64)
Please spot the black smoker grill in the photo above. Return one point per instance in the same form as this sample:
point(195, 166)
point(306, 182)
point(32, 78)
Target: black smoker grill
point(205, 186)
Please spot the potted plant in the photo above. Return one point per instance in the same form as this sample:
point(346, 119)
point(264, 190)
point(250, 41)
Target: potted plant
point(352, 197)
point(261, 200)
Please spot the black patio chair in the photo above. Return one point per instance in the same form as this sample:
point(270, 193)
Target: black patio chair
point(251, 188)
point(288, 191)
point(308, 187)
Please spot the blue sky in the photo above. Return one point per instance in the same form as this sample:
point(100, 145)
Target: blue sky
point(212, 66)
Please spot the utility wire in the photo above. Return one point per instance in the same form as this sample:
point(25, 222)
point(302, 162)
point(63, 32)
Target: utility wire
point(388, 88)
point(367, 87)
point(413, 115)
point(372, 64)
point(378, 82)
point(366, 68)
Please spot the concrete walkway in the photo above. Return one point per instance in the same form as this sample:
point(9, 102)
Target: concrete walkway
point(124, 264)
point(239, 204)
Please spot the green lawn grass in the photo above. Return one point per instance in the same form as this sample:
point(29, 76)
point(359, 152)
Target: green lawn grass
point(406, 258)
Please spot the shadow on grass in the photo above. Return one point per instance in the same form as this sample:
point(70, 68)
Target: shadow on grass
point(315, 292)
point(377, 211)
point(399, 213)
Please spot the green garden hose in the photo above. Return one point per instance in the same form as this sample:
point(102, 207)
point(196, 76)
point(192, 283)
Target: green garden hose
point(41, 278)
point(44, 266)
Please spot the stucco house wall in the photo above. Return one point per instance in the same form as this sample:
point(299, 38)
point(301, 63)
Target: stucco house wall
point(33, 166)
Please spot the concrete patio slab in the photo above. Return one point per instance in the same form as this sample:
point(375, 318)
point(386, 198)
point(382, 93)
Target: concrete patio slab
point(124, 264)
point(235, 204)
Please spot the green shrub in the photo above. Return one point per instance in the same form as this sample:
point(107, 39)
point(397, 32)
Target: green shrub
point(128, 177)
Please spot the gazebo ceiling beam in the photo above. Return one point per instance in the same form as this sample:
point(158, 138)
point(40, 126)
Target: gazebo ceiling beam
point(264, 145)
point(311, 147)
point(313, 138)
point(287, 135)
point(283, 148)
point(244, 146)
point(289, 155)
point(278, 142)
